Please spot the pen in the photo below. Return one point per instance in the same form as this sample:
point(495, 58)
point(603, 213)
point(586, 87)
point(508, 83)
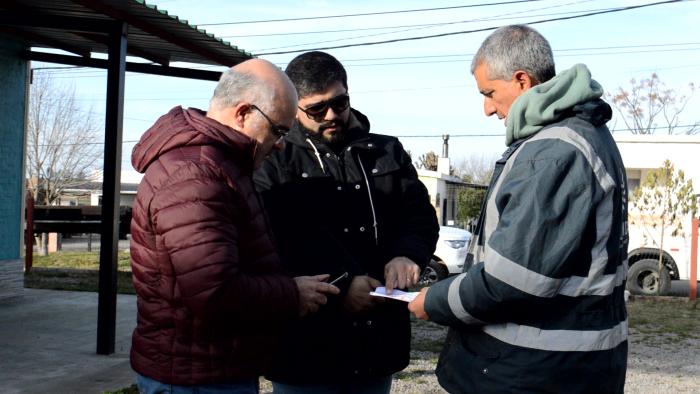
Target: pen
point(343, 276)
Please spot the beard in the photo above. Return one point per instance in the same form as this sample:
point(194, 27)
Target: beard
point(336, 137)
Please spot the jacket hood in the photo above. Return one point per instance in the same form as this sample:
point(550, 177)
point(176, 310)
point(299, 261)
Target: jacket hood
point(358, 127)
point(190, 127)
point(550, 101)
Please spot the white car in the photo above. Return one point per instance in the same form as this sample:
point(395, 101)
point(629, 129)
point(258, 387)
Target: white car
point(450, 254)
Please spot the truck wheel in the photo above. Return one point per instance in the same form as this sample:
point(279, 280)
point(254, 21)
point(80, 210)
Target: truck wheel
point(643, 278)
point(433, 272)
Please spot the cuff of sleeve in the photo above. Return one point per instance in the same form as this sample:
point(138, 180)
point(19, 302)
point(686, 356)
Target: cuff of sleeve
point(440, 308)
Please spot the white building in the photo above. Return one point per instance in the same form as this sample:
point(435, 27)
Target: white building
point(443, 189)
point(642, 153)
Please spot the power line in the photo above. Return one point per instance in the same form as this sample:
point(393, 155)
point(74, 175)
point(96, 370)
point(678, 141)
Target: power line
point(506, 16)
point(89, 73)
point(472, 135)
point(565, 55)
point(420, 25)
point(472, 31)
point(555, 50)
point(367, 13)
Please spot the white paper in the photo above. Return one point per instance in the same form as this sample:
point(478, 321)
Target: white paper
point(396, 294)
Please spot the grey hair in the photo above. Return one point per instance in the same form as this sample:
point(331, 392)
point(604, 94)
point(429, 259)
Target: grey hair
point(516, 47)
point(235, 87)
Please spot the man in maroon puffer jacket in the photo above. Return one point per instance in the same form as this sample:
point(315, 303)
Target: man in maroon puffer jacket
point(210, 290)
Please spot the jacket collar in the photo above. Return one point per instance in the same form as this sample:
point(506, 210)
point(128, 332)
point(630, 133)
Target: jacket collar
point(191, 127)
point(548, 102)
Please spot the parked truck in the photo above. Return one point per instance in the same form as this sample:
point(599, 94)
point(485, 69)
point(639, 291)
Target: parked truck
point(644, 276)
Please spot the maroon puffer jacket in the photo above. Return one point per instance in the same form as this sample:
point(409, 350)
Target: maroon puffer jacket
point(211, 293)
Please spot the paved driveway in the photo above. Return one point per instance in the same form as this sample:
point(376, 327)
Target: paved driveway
point(48, 342)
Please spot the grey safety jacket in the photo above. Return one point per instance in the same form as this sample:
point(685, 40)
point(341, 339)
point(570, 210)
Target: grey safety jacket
point(542, 308)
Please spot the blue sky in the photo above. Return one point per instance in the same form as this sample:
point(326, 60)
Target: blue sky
point(420, 87)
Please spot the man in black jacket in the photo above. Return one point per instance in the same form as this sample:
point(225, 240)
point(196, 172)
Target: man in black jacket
point(346, 202)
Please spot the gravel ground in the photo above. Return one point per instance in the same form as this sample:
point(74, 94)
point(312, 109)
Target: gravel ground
point(663, 367)
point(660, 363)
point(654, 367)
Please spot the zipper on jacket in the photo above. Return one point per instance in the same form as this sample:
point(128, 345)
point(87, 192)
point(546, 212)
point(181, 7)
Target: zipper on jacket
point(371, 201)
point(317, 153)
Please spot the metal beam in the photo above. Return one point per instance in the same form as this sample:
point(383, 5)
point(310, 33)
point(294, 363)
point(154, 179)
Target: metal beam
point(130, 49)
point(44, 40)
point(179, 72)
point(107, 298)
point(32, 18)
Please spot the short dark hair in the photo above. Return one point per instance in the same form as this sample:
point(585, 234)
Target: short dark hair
point(313, 72)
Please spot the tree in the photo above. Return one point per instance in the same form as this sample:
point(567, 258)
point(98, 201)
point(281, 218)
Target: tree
point(476, 169)
point(663, 200)
point(62, 143)
point(649, 106)
point(469, 200)
point(62, 140)
point(427, 161)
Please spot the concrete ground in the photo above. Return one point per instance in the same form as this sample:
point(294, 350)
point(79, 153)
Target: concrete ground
point(48, 341)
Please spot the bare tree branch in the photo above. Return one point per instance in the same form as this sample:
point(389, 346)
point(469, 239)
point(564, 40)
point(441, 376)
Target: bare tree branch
point(61, 138)
point(649, 102)
point(427, 161)
point(476, 168)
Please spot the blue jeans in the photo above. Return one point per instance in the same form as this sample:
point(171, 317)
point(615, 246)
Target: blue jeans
point(150, 386)
point(381, 385)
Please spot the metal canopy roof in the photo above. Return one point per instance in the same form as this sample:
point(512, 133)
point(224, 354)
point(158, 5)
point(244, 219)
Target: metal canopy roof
point(82, 27)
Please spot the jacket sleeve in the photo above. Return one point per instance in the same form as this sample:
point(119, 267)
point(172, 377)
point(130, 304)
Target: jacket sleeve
point(544, 208)
point(417, 227)
point(195, 219)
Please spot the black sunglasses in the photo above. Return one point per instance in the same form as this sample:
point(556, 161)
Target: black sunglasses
point(277, 129)
point(318, 111)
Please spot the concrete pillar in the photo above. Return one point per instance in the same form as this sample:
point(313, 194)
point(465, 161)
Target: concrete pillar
point(13, 85)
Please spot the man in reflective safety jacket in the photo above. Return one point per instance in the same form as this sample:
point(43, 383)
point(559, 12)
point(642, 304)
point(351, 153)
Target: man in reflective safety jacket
point(542, 308)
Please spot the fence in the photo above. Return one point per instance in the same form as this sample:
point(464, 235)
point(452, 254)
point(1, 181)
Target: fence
point(66, 220)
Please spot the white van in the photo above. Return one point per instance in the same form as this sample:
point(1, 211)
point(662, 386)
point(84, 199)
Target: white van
point(449, 257)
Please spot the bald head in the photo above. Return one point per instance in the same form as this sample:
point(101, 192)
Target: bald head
point(257, 99)
point(255, 81)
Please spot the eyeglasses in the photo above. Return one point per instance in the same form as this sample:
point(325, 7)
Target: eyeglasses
point(277, 129)
point(318, 111)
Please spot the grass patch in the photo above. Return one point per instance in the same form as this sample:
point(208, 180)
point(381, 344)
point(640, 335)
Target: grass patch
point(73, 280)
point(80, 260)
point(664, 319)
point(76, 271)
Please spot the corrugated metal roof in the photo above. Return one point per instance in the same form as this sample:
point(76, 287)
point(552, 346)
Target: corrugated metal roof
point(81, 27)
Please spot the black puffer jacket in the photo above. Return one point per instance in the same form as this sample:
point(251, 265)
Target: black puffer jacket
point(326, 220)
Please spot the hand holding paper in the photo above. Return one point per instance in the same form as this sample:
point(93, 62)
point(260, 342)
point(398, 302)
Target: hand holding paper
point(417, 306)
point(396, 294)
